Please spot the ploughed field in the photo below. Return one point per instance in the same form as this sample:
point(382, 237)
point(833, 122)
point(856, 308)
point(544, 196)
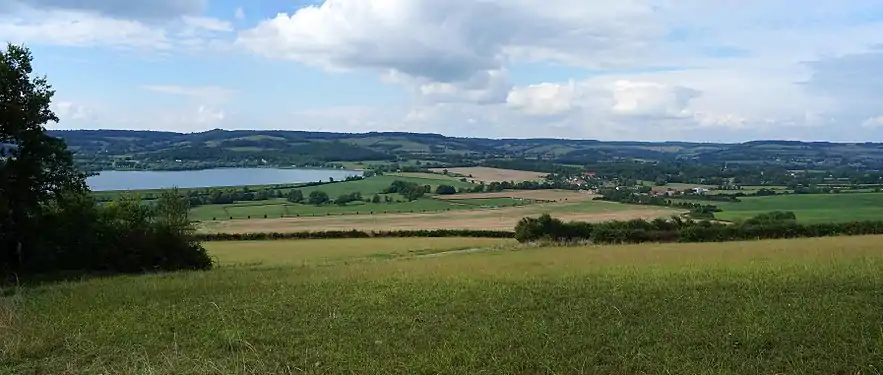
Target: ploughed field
point(466, 306)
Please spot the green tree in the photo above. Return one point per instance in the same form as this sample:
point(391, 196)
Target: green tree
point(375, 199)
point(295, 196)
point(34, 167)
point(318, 197)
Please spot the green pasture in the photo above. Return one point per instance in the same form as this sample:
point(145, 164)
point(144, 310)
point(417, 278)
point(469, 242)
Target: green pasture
point(279, 207)
point(809, 208)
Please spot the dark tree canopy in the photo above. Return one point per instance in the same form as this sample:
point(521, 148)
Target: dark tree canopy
point(35, 167)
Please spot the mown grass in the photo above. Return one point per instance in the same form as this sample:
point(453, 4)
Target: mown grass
point(809, 208)
point(809, 306)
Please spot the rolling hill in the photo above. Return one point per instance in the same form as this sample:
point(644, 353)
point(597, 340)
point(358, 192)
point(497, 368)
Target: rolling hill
point(121, 149)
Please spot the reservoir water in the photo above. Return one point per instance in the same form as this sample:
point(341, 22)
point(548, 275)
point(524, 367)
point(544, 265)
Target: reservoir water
point(141, 180)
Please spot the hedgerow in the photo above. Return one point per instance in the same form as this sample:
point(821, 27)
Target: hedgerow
point(773, 225)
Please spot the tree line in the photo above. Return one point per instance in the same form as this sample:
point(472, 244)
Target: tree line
point(773, 225)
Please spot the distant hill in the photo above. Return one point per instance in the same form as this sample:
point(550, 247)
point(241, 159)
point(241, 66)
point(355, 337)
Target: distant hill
point(120, 149)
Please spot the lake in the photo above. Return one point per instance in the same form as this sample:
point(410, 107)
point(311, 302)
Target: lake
point(142, 180)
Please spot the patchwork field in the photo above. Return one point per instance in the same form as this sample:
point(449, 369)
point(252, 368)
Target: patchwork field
point(540, 195)
point(475, 218)
point(493, 174)
point(387, 306)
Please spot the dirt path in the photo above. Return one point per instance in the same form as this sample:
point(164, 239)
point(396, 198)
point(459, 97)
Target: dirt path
point(455, 252)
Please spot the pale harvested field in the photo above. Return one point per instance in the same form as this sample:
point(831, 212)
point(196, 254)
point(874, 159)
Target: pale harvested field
point(494, 174)
point(491, 219)
point(545, 195)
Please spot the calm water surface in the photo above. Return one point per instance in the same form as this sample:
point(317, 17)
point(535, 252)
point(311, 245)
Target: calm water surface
point(139, 180)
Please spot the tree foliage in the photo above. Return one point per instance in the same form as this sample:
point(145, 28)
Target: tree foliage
point(49, 221)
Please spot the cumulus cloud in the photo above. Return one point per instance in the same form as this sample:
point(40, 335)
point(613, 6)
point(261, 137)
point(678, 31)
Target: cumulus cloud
point(452, 46)
point(651, 99)
point(546, 99)
point(761, 65)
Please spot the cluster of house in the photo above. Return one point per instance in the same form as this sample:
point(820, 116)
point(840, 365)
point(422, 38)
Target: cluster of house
point(581, 180)
point(671, 191)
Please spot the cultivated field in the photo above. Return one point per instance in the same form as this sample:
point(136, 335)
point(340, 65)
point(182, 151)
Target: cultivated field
point(492, 219)
point(540, 195)
point(494, 174)
point(809, 306)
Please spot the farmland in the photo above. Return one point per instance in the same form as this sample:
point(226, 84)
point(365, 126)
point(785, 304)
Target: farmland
point(382, 306)
point(468, 217)
point(485, 174)
point(809, 208)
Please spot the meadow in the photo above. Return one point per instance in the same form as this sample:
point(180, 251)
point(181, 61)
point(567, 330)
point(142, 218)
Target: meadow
point(466, 306)
point(809, 208)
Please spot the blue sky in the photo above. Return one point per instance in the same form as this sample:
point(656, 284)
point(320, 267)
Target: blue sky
point(627, 70)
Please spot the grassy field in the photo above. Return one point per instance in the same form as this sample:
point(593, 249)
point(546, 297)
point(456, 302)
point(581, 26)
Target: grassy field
point(809, 306)
point(375, 185)
point(277, 208)
point(368, 187)
point(809, 208)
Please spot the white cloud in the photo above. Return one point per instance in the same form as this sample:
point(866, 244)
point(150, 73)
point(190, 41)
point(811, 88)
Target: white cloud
point(98, 23)
point(651, 99)
point(873, 122)
point(546, 99)
point(741, 66)
point(444, 46)
point(69, 111)
point(239, 14)
point(69, 28)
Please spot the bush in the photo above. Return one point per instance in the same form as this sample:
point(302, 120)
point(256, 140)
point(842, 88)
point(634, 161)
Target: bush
point(123, 236)
point(445, 190)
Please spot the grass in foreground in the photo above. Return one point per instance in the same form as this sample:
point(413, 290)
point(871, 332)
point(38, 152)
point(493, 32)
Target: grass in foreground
point(809, 306)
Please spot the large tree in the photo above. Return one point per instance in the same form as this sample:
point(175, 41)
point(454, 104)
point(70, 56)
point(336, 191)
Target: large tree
point(34, 167)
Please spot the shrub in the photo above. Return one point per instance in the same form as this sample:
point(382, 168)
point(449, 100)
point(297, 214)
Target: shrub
point(124, 236)
point(445, 190)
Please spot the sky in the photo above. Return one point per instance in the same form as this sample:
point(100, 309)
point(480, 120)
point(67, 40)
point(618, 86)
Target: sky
point(646, 70)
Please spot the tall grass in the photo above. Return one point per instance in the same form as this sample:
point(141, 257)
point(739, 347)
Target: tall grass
point(809, 306)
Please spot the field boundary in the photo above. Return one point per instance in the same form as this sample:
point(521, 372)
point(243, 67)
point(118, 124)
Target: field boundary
point(270, 236)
